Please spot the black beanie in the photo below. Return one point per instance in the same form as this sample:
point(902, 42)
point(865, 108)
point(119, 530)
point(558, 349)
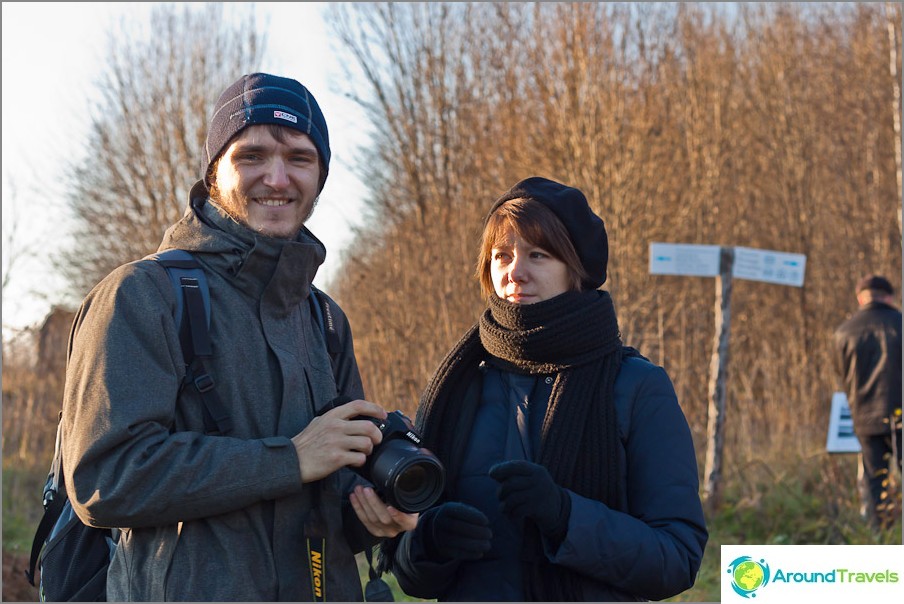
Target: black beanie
point(261, 98)
point(587, 231)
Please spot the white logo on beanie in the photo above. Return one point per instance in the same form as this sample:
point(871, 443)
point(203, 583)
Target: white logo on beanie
point(285, 116)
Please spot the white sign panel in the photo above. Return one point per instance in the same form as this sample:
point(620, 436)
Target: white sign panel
point(684, 259)
point(772, 267)
point(841, 438)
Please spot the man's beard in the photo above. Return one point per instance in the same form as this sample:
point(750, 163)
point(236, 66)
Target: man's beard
point(236, 207)
point(229, 204)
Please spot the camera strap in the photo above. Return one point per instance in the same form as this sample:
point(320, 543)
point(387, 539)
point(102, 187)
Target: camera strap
point(376, 589)
point(315, 542)
point(317, 565)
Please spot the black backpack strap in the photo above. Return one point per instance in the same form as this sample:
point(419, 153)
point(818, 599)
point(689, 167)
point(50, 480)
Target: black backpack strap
point(53, 505)
point(52, 511)
point(196, 340)
point(193, 318)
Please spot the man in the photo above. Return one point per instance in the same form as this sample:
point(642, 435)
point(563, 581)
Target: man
point(266, 512)
point(869, 362)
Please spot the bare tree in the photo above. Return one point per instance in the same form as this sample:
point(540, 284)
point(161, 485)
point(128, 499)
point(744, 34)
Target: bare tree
point(13, 251)
point(426, 173)
point(763, 126)
point(147, 132)
point(893, 26)
point(142, 154)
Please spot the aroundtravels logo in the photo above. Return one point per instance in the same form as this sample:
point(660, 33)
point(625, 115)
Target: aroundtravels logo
point(748, 575)
point(795, 573)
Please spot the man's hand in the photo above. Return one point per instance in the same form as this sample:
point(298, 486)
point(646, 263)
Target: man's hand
point(379, 519)
point(333, 440)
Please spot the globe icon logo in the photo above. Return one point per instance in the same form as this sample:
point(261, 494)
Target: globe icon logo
point(748, 575)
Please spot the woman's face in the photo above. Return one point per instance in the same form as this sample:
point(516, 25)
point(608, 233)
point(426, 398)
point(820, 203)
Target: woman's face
point(524, 273)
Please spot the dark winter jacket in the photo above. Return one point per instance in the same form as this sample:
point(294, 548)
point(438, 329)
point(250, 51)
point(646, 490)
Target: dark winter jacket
point(214, 518)
point(868, 359)
point(649, 549)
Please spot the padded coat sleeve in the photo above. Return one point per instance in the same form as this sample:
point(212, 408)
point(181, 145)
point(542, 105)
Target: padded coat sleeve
point(417, 575)
point(655, 549)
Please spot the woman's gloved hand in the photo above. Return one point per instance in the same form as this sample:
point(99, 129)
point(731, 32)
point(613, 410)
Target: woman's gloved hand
point(454, 531)
point(527, 490)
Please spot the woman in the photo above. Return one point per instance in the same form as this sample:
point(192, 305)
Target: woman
point(571, 472)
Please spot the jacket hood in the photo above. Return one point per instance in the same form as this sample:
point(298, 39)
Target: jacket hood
point(250, 259)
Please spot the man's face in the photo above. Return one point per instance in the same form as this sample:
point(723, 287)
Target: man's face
point(269, 186)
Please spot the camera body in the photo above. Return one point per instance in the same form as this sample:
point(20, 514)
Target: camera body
point(396, 425)
point(406, 476)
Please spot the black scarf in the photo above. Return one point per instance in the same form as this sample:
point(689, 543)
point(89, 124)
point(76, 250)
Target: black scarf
point(574, 335)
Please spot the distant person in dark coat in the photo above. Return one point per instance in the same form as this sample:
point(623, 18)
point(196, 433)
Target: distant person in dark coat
point(571, 472)
point(869, 363)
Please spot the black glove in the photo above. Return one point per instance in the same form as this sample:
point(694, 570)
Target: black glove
point(454, 531)
point(527, 490)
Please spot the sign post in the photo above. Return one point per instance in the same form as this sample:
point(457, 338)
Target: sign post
point(723, 263)
point(718, 377)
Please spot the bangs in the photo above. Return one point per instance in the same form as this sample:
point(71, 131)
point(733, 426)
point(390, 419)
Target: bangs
point(516, 220)
point(533, 222)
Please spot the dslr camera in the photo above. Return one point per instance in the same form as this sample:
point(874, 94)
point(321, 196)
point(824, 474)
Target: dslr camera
point(405, 475)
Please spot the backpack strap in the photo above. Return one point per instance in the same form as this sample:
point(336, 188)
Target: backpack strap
point(52, 511)
point(53, 506)
point(193, 318)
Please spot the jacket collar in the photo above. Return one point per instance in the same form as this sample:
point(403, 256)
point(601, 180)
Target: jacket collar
point(277, 271)
point(876, 304)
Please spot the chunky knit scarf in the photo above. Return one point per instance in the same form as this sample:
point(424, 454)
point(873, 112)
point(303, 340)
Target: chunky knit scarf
point(574, 335)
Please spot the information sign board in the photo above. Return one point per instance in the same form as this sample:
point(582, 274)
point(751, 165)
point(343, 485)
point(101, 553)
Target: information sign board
point(684, 259)
point(781, 268)
point(841, 438)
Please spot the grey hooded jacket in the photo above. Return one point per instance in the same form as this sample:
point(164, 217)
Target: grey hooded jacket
point(213, 518)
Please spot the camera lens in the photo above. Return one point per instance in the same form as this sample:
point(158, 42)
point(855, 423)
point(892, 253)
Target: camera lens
point(418, 485)
point(410, 478)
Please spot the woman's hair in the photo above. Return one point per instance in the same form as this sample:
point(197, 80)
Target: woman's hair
point(537, 224)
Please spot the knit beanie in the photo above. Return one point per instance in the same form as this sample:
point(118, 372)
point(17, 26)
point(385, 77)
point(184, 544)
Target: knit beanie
point(261, 98)
point(586, 229)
